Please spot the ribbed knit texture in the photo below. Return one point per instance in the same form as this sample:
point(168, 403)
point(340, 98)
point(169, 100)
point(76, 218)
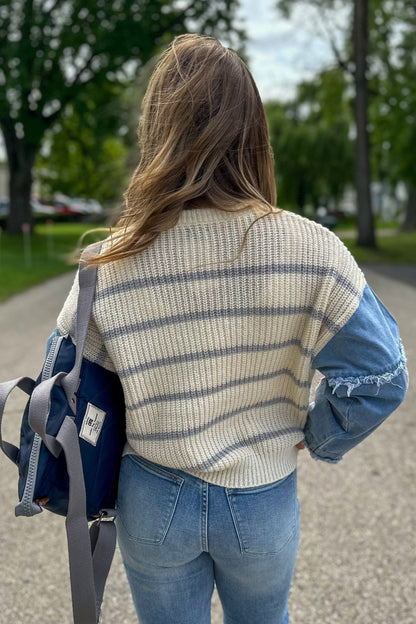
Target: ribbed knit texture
point(215, 359)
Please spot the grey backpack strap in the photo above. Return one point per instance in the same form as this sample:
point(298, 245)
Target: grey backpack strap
point(103, 538)
point(26, 384)
point(87, 277)
point(38, 413)
point(79, 547)
point(90, 552)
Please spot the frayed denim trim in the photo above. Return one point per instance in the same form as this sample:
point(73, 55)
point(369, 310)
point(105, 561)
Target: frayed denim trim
point(355, 382)
point(317, 457)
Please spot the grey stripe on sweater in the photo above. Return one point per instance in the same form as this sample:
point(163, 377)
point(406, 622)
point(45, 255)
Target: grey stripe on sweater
point(200, 315)
point(229, 272)
point(193, 394)
point(166, 436)
point(209, 463)
point(214, 353)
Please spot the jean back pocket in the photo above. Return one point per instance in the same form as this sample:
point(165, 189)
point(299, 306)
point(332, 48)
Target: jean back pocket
point(147, 498)
point(265, 517)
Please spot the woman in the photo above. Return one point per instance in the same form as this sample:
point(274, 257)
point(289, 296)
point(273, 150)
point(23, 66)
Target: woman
point(216, 346)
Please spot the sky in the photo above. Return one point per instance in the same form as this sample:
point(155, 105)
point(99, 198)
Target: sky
point(284, 52)
point(281, 53)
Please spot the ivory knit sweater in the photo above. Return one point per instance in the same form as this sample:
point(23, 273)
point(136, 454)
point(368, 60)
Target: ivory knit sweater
point(215, 359)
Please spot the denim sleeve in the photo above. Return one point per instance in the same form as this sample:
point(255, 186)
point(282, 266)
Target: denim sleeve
point(365, 380)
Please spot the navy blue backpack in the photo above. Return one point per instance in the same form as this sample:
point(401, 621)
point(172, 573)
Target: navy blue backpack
point(72, 437)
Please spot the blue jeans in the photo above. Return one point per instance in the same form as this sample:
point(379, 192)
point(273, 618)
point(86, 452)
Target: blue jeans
point(178, 534)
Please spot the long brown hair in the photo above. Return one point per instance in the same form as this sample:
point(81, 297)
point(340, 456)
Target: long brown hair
point(203, 140)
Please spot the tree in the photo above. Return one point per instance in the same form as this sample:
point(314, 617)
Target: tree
point(82, 166)
point(314, 156)
point(84, 153)
point(354, 59)
point(393, 105)
point(50, 50)
point(365, 219)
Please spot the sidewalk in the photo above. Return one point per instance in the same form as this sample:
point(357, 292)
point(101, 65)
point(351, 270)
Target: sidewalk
point(356, 559)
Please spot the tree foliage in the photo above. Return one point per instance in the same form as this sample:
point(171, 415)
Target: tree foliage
point(356, 47)
point(392, 90)
point(52, 50)
point(78, 161)
point(84, 152)
point(313, 154)
point(393, 105)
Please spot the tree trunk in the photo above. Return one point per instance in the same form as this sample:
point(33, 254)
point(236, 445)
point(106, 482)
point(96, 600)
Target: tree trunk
point(21, 156)
point(410, 218)
point(365, 219)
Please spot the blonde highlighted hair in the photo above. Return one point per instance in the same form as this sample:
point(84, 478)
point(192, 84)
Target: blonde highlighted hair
point(203, 140)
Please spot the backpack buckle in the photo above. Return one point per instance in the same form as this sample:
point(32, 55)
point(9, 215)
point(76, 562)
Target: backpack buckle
point(106, 515)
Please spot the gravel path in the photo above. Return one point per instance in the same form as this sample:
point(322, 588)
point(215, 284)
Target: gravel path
point(357, 559)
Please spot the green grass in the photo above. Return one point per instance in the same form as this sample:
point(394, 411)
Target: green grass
point(50, 247)
point(349, 223)
point(397, 249)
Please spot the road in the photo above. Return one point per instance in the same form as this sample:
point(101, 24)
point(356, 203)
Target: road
point(356, 559)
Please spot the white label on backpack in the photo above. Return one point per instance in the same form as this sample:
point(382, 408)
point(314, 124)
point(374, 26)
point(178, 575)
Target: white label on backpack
point(92, 424)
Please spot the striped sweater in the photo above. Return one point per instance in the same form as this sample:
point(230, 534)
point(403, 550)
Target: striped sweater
point(215, 358)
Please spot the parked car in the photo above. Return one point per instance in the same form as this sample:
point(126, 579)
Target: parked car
point(38, 207)
point(62, 205)
point(94, 206)
point(41, 207)
point(76, 205)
